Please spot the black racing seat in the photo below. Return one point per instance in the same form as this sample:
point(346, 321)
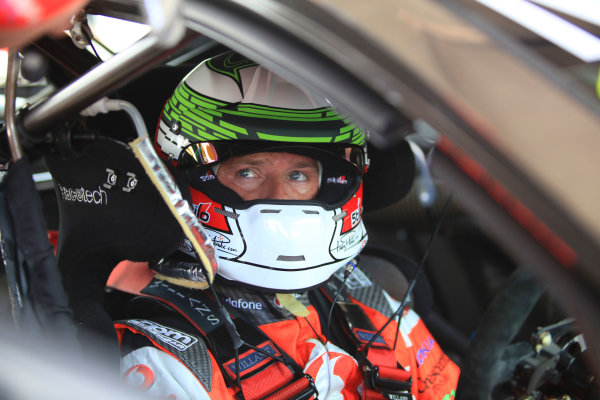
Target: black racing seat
point(109, 211)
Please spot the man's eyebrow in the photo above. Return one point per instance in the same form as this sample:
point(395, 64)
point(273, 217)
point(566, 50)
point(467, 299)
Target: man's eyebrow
point(251, 162)
point(296, 164)
point(305, 164)
point(248, 161)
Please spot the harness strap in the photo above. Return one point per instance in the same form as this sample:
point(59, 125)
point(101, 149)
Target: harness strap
point(382, 374)
point(263, 370)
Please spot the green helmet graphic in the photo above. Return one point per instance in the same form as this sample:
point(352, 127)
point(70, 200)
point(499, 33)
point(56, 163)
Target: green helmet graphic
point(231, 98)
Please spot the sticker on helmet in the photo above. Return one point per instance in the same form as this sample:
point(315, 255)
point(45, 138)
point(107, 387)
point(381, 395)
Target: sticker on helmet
point(353, 209)
point(222, 242)
point(200, 210)
point(346, 241)
point(340, 179)
point(204, 208)
point(208, 176)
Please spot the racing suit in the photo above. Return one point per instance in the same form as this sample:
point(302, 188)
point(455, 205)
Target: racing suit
point(155, 357)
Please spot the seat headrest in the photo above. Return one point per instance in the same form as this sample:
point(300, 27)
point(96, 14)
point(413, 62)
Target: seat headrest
point(390, 175)
point(109, 211)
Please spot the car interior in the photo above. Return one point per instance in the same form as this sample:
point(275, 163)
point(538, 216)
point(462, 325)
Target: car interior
point(486, 310)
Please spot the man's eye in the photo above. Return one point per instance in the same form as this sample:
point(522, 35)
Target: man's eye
point(246, 173)
point(298, 176)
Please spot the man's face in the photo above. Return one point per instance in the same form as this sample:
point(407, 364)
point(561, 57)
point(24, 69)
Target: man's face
point(271, 175)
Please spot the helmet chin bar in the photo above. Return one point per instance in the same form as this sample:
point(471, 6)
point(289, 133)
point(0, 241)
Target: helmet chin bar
point(281, 246)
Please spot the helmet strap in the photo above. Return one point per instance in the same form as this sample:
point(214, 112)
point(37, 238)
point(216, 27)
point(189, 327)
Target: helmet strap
point(290, 303)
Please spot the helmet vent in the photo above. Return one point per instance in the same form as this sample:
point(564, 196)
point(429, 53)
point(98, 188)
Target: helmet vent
point(310, 212)
point(290, 258)
point(269, 211)
point(228, 214)
point(339, 216)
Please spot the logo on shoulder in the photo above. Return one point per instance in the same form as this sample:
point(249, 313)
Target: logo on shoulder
point(180, 340)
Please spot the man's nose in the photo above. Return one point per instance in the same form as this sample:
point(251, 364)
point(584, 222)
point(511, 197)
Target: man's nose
point(277, 190)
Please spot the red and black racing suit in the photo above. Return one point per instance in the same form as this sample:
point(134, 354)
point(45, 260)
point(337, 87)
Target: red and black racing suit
point(164, 374)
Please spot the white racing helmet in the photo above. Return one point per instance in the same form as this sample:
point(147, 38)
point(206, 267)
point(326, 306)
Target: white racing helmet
point(230, 106)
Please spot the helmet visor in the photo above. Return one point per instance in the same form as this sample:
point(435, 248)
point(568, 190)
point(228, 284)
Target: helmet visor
point(202, 154)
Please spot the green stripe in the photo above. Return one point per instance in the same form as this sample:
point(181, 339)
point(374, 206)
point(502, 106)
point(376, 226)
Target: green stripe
point(358, 141)
point(277, 138)
point(196, 133)
point(188, 129)
point(194, 104)
point(211, 126)
point(199, 114)
point(342, 137)
point(223, 137)
point(182, 101)
point(285, 117)
point(173, 115)
point(196, 99)
point(207, 136)
point(203, 136)
point(267, 109)
point(347, 128)
point(358, 136)
point(191, 93)
point(214, 113)
point(202, 103)
point(183, 93)
point(286, 114)
point(197, 117)
point(232, 127)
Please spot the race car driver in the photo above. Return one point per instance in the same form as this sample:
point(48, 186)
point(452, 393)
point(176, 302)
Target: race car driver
point(275, 175)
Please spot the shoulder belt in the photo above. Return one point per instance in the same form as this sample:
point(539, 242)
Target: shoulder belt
point(259, 368)
point(382, 373)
